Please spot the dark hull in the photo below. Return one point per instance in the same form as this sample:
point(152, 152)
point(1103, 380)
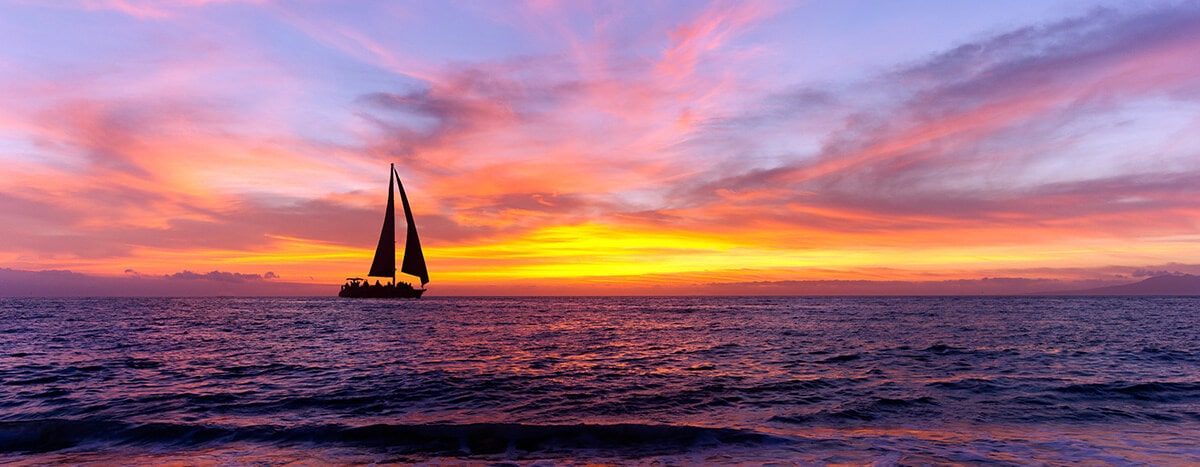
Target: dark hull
point(380, 292)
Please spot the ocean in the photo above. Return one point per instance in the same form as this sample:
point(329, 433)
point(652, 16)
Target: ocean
point(601, 380)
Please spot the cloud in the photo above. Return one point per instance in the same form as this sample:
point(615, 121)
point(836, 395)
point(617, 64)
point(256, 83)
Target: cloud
point(420, 121)
point(990, 132)
point(1169, 269)
point(65, 283)
point(1150, 273)
point(691, 41)
point(219, 276)
point(153, 9)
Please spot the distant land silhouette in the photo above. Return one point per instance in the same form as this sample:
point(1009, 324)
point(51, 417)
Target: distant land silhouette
point(1174, 284)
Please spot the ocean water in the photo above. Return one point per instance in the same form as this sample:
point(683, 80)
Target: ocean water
point(636, 381)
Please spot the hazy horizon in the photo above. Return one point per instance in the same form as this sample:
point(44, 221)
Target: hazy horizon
point(66, 284)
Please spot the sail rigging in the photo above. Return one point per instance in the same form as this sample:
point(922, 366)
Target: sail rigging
point(384, 263)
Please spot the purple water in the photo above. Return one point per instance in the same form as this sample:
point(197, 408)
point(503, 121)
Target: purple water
point(443, 380)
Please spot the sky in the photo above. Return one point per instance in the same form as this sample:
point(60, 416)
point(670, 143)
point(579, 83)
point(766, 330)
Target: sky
point(186, 147)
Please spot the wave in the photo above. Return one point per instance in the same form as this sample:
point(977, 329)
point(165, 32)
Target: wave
point(841, 358)
point(40, 436)
point(978, 386)
point(873, 409)
point(1168, 355)
point(1155, 391)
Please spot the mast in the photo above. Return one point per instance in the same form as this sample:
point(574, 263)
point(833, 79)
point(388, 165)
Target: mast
point(414, 259)
point(384, 264)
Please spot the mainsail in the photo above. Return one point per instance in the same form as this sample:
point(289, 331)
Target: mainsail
point(384, 264)
point(414, 259)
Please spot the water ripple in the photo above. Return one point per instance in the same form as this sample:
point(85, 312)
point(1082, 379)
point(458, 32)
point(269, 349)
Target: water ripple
point(540, 375)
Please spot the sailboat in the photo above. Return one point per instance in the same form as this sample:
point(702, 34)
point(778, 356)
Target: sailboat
point(384, 264)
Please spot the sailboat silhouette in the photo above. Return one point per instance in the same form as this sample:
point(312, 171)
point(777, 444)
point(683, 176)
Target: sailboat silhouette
point(384, 264)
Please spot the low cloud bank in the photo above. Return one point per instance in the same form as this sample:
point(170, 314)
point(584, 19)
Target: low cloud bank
point(221, 276)
point(63, 283)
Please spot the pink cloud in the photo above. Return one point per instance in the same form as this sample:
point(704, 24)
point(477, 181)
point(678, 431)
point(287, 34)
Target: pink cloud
point(153, 9)
point(908, 157)
point(708, 33)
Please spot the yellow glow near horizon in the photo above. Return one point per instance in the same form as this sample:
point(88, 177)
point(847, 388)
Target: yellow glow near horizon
point(593, 253)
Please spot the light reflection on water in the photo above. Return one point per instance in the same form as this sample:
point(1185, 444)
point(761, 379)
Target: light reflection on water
point(827, 379)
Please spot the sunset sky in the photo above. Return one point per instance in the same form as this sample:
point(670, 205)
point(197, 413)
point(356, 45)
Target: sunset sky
point(599, 147)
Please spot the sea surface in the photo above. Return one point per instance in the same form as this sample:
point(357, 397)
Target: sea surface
point(634, 381)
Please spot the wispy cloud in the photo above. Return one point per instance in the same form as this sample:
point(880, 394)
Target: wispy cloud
point(975, 134)
point(153, 9)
